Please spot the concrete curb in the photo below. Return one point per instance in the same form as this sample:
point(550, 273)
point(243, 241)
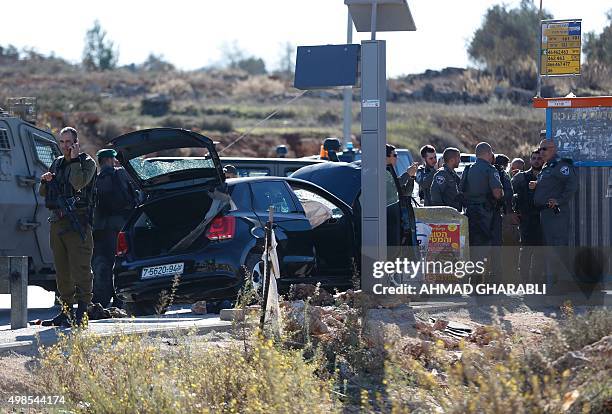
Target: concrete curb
point(19, 346)
point(33, 345)
point(437, 306)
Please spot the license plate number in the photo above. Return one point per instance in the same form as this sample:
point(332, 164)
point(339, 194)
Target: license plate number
point(163, 270)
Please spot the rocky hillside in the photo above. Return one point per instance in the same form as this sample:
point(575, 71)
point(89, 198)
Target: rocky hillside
point(458, 107)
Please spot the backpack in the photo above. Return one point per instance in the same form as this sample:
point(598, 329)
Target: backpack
point(112, 196)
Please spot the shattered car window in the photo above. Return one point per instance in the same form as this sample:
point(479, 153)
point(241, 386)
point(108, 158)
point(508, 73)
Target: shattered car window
point(272, 194)
point(148, 168)
point(304, 195)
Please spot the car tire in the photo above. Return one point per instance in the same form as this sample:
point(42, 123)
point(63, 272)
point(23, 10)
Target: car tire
point(143, 308)
point(254, 267)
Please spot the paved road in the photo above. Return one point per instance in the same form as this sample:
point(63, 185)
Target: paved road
point(40, 305)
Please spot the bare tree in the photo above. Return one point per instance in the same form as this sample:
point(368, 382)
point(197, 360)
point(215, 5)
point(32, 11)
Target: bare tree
point(99, 52)
point(286, 63)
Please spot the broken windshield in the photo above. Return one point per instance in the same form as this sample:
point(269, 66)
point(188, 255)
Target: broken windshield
point(151, 165)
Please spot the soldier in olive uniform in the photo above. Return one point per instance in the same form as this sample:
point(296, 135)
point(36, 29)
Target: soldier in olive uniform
point(423, 175)
point(71, 176)
point(554, 189)
point(523, 185)
point(481, 187)
point(445, 184)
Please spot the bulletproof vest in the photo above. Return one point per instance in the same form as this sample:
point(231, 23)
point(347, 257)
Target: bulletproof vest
point(85, 197)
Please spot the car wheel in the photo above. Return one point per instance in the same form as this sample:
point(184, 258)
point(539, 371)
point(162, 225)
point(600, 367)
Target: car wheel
point(143, 308)
point(255, 267)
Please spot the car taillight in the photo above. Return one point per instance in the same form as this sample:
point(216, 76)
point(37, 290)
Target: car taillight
point(221, 228)
point(122, 244)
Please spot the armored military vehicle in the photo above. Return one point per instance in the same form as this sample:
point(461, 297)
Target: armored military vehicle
point(26, 152)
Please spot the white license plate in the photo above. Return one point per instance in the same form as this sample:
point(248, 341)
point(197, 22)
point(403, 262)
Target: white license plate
point(163, 270)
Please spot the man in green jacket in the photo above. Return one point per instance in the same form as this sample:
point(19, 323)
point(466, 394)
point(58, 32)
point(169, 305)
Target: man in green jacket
point(71, 180)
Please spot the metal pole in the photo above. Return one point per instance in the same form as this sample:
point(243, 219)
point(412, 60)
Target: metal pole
point(373, 159)
point(373, 20)
point(539, 69)
point(348, 90)
point(266, 286)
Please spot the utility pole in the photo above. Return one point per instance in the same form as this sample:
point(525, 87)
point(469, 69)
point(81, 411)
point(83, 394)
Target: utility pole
point(539, 69)
point(348, 90)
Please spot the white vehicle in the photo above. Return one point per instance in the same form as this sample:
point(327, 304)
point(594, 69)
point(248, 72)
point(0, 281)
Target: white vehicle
point(466, 159)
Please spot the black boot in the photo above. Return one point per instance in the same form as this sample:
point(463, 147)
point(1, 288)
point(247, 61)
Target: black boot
point(63, 319)
point(81, 311)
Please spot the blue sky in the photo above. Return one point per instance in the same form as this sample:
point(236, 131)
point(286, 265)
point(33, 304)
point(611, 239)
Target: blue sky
point(191, 33)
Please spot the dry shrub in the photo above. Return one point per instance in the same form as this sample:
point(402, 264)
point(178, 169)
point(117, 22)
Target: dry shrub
point(596, 76)
point(221, 124)
point(177, 88)
point(582, 330)
point(133, 375)
point(259, 86)
point(563, 374)
point(328, 118)
point(107, 130)
point(476, 82)
point(177, 121)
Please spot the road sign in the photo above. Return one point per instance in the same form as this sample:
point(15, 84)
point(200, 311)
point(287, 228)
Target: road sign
point(561, 47)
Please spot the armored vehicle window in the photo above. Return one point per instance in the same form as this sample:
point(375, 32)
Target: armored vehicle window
point(4, 141)
point(44, 151)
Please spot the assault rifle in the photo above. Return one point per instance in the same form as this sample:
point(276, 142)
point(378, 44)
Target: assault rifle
point(67, 206)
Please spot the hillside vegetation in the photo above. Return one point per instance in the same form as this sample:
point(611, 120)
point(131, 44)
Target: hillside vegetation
point(452, 107)
point(459, 107)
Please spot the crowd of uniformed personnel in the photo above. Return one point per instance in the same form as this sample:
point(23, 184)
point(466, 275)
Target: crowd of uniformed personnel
point(89, 209)
point(505, 204)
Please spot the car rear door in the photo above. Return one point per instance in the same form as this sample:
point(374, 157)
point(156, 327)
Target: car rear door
point(161, 159)
point(293, 230)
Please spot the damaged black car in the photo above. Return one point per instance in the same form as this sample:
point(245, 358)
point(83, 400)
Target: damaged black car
point(197, 235)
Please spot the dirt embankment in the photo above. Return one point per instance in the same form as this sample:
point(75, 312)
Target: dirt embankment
point(512, 137)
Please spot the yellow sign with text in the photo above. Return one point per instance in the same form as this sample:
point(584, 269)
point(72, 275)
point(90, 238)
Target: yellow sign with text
point(561, 48)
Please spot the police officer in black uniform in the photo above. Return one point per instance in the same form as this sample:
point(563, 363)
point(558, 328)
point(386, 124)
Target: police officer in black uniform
point(505, 231)
point(523, 185)
point(423, 177)
point(481, 187)
point(445, 183)
point(554, 189)
point(116, 196)
point(403, 242)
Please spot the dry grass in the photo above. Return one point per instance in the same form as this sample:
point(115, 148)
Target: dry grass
point(566, 371)
point(131, 374)
point(16, 377)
